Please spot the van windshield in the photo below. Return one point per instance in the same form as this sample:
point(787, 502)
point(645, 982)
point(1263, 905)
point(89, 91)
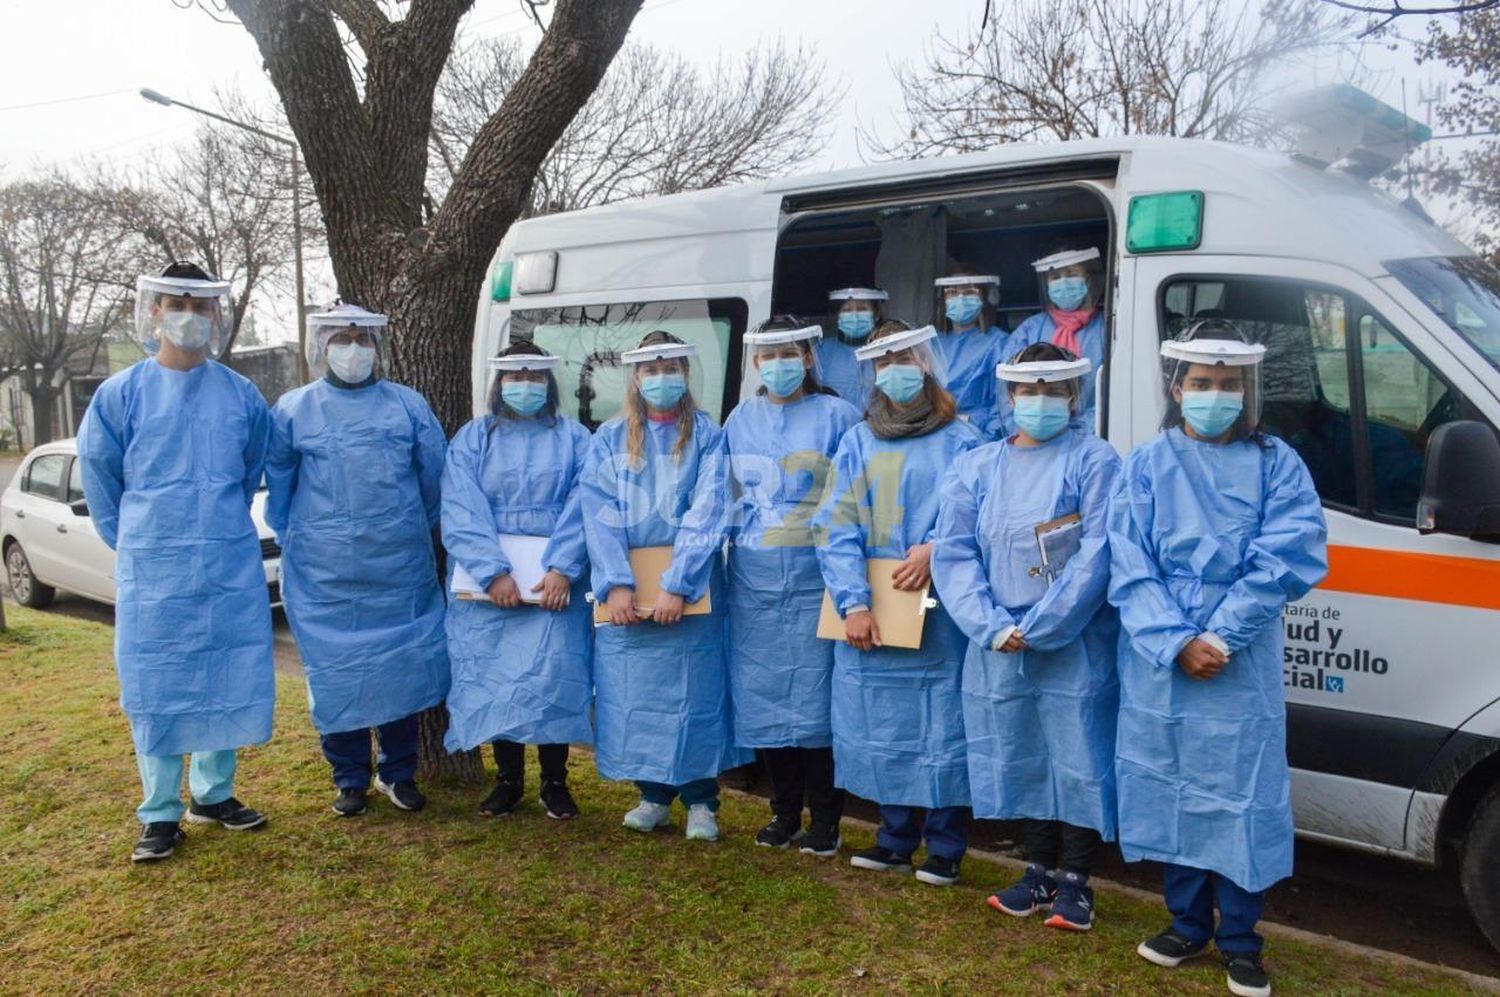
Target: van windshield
point(1464, 291)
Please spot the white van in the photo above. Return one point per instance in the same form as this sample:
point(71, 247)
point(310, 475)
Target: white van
point(1383, 371)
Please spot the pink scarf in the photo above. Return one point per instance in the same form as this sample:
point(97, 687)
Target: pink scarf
point(1067, 326)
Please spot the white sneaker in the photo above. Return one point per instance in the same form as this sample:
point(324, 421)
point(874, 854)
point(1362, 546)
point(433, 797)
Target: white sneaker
point(648, 817)
point(702, 824)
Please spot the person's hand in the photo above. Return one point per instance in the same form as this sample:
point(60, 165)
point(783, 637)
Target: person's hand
point(916, 570)
point(668, 609)
point(1015, 642)
point(555, 590)
point(1201, 660)
point(862, 630)
point(621, 606)
point(504, 592)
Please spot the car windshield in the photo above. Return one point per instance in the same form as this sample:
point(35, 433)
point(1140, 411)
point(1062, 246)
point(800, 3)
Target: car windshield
point(1464, 291)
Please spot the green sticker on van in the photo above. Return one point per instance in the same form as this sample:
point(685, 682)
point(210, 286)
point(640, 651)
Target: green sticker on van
point(1158, 223)
point(500, 282)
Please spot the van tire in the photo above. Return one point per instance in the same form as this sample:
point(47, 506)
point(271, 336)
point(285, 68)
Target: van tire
point(1479, 873)
point(28, 590)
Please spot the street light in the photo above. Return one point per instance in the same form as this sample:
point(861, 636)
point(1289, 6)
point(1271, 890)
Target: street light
point(165, 101)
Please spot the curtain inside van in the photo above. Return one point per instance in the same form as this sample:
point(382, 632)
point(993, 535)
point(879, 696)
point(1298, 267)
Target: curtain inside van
point(913, 253)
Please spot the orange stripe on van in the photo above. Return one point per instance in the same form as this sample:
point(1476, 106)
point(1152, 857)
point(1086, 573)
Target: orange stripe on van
point(1455, 581)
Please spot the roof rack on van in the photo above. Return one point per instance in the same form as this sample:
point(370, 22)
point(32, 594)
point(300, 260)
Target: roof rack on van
point(1346, 128)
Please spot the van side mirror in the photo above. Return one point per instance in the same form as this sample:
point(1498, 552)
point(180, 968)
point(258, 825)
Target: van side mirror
point(80, 507)
point(1461, 482)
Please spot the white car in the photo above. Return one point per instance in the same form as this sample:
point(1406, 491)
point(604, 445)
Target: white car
point(49, 541)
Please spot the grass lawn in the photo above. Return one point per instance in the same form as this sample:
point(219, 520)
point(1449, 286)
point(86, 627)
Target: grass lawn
point(447, 901)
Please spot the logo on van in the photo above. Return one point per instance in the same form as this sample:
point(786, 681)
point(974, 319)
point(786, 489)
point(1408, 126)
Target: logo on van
point(1317, 656)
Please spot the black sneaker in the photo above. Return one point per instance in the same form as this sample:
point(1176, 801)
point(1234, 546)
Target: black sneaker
point(350, 802)
point(822, 840)
point(1246, 976)
point(781, 832)
point(881, 860)
point(1168, 949)
point(404, 794)
point(157, 841)
point(558, 801)
point(938, 871)
point(502, 799)
point(231, 814)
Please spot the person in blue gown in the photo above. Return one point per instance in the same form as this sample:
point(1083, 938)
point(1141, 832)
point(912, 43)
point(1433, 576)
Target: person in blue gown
point(521, 660)
point(1213, 529)
point(353, 480)
point(1072, 288)
point(1040, 694)
point(654, 478)
point(780, 442)
point(171, 452)
point(859, 311)
point(896, 714)
point(971, 343)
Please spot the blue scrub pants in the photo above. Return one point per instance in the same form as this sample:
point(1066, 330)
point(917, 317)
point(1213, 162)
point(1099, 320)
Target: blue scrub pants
point(1191, 896)
point(946, 830)
point(210, 780)
point(698, 791)
point(349, 754)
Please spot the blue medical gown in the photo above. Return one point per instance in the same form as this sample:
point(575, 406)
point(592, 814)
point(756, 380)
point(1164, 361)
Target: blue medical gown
point(1040, 722)
point(840, 370)
point(520, 674)
point(354, 476)
point(779, 670)
point(661, 697)
point(1215, 537)
point(896, 715)
point(1040, 328)
point(970, 358)
point(170, 462)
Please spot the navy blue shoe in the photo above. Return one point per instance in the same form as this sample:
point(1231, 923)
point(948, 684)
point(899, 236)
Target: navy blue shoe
point(1073, 906)
point(1032, 892)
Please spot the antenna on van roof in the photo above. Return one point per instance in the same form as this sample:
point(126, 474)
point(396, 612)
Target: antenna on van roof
point(1341, 126)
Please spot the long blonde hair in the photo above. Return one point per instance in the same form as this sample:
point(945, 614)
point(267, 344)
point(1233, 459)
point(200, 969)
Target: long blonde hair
point(635, 409)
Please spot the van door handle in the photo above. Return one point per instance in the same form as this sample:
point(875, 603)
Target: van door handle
point(20, 513)
point(61, 528)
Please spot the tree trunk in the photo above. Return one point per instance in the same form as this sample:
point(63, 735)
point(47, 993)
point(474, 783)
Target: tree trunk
point(43, 409)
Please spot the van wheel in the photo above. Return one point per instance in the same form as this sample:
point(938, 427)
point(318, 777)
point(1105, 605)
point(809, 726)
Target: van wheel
point(23, 583)
point(1478, 871)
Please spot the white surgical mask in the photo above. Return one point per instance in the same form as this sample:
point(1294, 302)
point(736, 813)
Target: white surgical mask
point(350, 362)
point(187, 330)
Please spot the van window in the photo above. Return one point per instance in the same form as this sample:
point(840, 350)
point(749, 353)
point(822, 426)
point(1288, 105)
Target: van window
point(1338, 384)
point(590, 339)
point(1464, 291)
point(45, 476)
point(75, 482)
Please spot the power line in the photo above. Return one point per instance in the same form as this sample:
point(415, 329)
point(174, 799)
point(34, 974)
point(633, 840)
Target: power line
point(64, 100)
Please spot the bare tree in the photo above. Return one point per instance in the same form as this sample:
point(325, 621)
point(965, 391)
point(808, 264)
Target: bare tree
point(656, 125)
point(1389, 12)
point(64, 287)
point(1042, 70)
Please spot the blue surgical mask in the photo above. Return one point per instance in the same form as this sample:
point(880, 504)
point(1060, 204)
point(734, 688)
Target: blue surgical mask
point(782, 376)
point(525, 397)
point(857, 325)
point(963, 309)
point(662, 391)
point(900, 382)
point(1211, 413)
point(1041, 417)
point(1068, 293)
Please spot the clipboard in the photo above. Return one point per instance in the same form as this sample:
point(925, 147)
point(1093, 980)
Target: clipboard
point(647, 565)
point(525, 556)
point(1057, 540)
point(900, 615)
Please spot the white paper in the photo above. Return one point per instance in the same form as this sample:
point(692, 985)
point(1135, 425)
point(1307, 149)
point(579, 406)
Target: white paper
point(525, 556)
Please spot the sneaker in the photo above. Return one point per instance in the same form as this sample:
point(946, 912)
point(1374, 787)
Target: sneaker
point(648, 816)
point(558, 801)
point(231, 814)
point(1034, 891)
point(502, 799)
point(350, 803)
point(781, 832)
point(881, 859)
point(1073, 907)
point(1168, 949)
point(702, 823)
point(938, 871)
point(1246, 976)
point(158, 840)
point(404, 794)
point(822, 840)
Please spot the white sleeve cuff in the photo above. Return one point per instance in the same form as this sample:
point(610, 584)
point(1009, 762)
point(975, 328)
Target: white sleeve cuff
point(856, 609)
point(1214, 641)
point(1004, 636)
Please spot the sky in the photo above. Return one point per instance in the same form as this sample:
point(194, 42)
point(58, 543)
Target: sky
point(69, 95)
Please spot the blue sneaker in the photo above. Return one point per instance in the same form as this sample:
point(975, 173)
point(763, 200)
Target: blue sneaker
point(1073, 906)
point(1033, 892)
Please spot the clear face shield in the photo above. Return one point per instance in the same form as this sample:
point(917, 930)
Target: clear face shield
point(902, 362)
point(966, 301)
point(1212, 381)
point(858, 311)
point(192, 315)
point(1042, 396)
point(662, 377)
point(1070, 281)
point(778, 361)
point(347, 341)
point(525, 384)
